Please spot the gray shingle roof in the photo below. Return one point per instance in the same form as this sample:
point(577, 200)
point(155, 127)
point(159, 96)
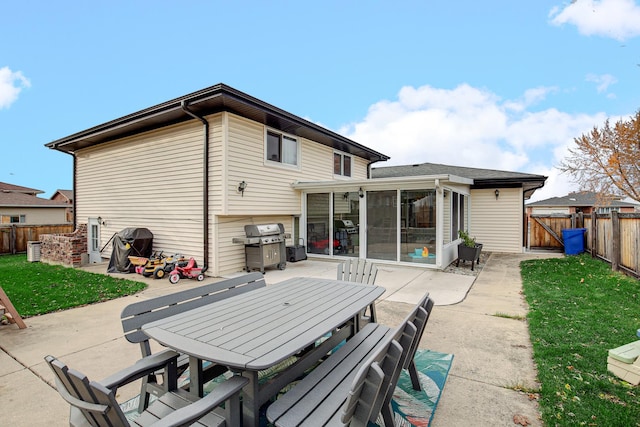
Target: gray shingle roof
point(578, 199)
point(439, 169)
point(482, 178)
point(6, 187)
point(68, 194)
point(27, 200)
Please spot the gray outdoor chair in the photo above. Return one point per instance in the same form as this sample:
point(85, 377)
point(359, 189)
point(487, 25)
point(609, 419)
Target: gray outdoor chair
point(357, 270)
point(94, 403)
point(360, 271)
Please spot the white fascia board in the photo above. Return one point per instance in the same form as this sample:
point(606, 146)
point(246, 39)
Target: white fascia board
point(382, 183)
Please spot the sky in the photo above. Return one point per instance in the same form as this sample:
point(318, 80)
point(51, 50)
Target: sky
point(496, 84)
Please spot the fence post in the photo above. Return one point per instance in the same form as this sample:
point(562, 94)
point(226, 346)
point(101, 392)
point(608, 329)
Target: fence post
point(594, 234)
point(13, 240)
point(615, 237)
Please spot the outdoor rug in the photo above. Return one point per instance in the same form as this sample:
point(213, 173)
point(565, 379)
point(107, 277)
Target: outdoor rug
point(416, 408)
point(411, 408)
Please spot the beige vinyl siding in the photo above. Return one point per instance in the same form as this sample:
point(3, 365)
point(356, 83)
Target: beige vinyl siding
point(359, 168)
point(446, 217)
point(151, 180)
point(231, 257)
point(217, 161)
point(497, 224)
point(154, 180)
point(269, 189)
point(37, 216)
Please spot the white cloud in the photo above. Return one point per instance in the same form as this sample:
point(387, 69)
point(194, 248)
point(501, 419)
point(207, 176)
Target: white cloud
point(530, 97)
point(557, 185)
point(11, 83)
point(617, 19)
point(466, 126)
point(602, 81)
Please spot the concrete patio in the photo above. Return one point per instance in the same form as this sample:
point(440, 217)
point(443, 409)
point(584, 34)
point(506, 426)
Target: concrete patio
point(493, 356)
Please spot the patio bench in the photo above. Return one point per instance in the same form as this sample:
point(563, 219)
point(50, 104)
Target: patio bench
point(355, 384)
point(137, 314)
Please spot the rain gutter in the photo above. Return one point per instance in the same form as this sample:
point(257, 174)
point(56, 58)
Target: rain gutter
point(205, 183)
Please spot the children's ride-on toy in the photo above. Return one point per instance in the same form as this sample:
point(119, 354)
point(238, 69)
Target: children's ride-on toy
point(158, 265)
point(189, 271)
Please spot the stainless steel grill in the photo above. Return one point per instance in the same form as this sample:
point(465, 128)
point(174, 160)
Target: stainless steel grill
point(346, 225)
point(346, 234)
point(264, 246)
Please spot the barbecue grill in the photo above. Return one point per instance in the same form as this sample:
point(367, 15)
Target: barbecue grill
point(264, 246)
point(346, 233)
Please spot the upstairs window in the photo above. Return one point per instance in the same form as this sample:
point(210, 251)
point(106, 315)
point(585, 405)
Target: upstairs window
point(282, 148)
point(341, 164)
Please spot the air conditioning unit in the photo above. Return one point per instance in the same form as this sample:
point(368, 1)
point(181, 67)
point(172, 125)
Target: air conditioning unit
point(33, 251)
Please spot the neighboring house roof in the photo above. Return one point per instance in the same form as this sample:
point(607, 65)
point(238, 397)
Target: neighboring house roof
point(23, 200)
point(209, 101)
point(66, 194)
point(580, 199)
point(482, 178)
point(10, 188)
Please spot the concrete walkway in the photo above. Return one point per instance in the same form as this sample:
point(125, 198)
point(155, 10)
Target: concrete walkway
point(492, 354)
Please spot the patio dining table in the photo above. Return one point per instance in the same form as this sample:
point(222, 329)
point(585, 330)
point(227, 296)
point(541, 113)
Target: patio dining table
point(302, 317)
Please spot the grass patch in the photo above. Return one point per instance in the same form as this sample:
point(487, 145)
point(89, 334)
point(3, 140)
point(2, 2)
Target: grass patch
point(579, 309)
point(38, 288)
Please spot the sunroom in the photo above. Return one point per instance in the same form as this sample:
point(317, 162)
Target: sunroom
point(413, 220)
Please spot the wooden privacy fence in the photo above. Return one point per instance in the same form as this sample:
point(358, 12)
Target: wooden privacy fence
point(14, 237)
point(612, 237)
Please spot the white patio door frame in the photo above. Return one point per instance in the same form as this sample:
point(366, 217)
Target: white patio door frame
point(93, 241)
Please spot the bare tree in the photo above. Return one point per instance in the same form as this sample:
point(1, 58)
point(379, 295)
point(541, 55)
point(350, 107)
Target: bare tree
point(607, 161)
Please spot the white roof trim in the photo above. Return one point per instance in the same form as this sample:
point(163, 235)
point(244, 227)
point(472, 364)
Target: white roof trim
point(370, 184)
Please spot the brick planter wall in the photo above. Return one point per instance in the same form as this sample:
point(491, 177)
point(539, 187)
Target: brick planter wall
point(69, 249)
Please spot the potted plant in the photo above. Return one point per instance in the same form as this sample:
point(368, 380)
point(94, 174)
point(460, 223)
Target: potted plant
point(468, 249)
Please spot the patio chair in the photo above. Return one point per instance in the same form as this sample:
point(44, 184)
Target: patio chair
point(357, 270)
point(360, 271)
point(137, 314)
point(94, 403)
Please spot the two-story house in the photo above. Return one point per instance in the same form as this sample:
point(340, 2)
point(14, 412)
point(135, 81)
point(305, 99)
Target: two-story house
point(196, 169)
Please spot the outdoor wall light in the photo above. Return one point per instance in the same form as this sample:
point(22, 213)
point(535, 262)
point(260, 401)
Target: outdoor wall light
point(345, 196)
point(497, 193)
point(241, 187)
point(101, 222)
point(360, 193)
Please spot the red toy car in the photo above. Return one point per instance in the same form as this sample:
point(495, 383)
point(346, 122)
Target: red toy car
point(189, 271)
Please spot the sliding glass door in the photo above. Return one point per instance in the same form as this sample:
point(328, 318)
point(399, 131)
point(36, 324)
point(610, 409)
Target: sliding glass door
point(382, 225)
point(346, 224)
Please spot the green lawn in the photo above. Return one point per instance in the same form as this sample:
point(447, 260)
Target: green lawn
point(38, 288)
point(579, 309)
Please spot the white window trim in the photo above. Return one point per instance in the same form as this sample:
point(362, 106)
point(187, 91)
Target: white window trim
point(281, 164)
point(342, 156)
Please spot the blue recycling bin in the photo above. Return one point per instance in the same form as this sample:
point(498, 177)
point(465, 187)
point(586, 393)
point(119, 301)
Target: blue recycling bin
point(573, 240)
